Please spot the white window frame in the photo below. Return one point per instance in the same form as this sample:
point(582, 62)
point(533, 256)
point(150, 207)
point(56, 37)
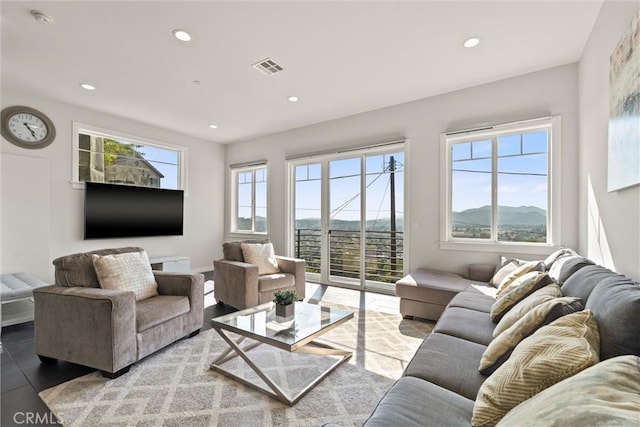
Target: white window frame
point(553, 126)
point(79, 128)
point(236, 170)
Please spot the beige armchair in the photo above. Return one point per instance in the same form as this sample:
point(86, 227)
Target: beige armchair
point(238, 284)
point(79, 322)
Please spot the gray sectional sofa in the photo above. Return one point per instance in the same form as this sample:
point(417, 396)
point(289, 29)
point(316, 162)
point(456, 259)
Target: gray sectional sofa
point(440, 384)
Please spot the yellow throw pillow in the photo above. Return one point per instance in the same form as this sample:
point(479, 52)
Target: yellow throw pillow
point(518, 290)
point(553, 353)
point(129, 271)
point(520, 271)
point(546, 293)
point(261, 255)
point(500, 348)
point(507, 266)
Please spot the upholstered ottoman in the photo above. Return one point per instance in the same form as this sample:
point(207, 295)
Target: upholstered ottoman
point(16, 292)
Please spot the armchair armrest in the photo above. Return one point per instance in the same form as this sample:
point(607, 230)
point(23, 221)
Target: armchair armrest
point(90, 326)
point(236, 283)
point(185, 284)
point(297, 267)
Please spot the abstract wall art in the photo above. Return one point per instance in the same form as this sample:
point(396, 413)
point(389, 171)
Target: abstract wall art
point(624, 110)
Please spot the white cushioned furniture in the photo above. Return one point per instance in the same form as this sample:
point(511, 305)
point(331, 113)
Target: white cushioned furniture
point(16, 292)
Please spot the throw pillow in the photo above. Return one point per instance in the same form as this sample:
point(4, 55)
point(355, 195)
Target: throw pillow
point(523, 307)
point(548, 261)
point(520, 271)
point(518, 290)
point(501, 347)
point(261, 255)
point(507, 266)
point(129, 271)
point(604, 394)
point(553, 353)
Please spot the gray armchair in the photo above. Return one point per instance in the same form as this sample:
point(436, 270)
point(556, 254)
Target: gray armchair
point(238, 284)
point(77, 321)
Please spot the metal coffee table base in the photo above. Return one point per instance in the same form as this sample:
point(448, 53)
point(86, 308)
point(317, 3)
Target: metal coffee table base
point(276, 392)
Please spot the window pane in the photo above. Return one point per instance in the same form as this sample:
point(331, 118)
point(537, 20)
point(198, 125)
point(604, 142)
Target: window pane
point(244, 218)
point(103, 159)
point(471, 198)
point(261, 205)
point(509, 145)
point(523, 191)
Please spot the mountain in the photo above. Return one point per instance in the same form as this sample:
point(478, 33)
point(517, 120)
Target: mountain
point(507, 215)
point(382, 224)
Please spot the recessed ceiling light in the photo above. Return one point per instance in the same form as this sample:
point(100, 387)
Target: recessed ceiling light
point(471, 42)
point(182, 35)
point(87, 86)
point(213, 126)
point(293, 99)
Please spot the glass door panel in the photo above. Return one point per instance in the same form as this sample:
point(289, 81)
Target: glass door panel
point(345, 221)
point(384, 220)
point(308, 217)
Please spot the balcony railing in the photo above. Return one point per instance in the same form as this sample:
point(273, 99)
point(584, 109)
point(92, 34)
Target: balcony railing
point(384, 255)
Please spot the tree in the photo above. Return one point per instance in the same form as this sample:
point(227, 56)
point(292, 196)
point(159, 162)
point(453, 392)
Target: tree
point(112, 149)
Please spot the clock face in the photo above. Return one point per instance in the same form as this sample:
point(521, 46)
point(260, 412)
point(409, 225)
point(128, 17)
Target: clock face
point(27, 127)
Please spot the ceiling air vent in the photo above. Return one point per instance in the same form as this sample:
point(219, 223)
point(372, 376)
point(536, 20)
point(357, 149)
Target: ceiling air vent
point(268, 67)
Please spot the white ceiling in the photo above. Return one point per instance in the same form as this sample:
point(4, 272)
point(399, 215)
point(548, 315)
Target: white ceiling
point(339, 58)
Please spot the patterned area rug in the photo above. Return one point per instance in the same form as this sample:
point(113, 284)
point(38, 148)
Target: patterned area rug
point(176, 387)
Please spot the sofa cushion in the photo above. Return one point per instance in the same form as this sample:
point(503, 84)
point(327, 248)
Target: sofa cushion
point(262, 255)
point(518, 290)
point(520, 271)
point(582, 282)
point(411, 401)
point(273, 282)
point(449, 362)
point(540, 296)
point(501, 347)
point(470, 325)
point(232, 251)
point(129, 271)
point(154, 311)
point(473, 301)
point(615, 304)
point(77, 269)
point(607, 393)
point(553, 353)
point(565, 266)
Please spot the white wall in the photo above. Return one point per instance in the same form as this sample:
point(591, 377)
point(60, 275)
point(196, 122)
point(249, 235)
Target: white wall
point(609, 223)
point(543, 93)
point(203, 225)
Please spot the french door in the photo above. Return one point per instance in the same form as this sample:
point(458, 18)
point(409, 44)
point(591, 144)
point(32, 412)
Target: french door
point(348, 218)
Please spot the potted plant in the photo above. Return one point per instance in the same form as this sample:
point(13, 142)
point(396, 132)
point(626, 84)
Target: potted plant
point(285, 302)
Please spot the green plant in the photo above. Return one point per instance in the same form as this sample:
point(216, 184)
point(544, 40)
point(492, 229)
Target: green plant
point(285, 297)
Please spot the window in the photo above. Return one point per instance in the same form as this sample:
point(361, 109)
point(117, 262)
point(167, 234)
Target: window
point(499, 185)
point(105, 156)
point(250, 199)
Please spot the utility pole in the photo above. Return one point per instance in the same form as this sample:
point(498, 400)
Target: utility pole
point(392, 219)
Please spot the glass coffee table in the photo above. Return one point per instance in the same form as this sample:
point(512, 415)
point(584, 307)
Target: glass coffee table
point(297, 333)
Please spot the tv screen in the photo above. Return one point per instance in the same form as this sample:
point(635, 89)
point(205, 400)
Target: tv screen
point(112, 210)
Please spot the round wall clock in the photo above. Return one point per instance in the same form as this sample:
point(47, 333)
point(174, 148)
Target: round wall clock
point(27, 127)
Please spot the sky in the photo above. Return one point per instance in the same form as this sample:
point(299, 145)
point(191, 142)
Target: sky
point(345, 188)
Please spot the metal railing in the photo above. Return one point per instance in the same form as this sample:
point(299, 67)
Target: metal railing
point(384, 255)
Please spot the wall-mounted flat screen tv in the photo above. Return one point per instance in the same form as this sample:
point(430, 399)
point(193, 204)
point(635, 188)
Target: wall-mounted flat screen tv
point(113, 210)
